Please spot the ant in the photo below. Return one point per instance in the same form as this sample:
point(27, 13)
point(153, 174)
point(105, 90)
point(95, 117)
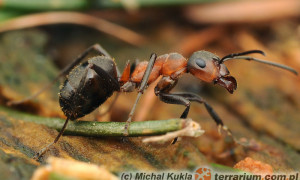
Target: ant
point(89, 84)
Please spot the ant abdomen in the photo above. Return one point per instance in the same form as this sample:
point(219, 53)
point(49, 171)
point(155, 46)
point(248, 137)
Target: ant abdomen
point(88, 86)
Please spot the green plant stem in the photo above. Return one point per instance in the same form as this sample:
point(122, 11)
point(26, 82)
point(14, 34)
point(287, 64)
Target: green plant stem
point(96, 129)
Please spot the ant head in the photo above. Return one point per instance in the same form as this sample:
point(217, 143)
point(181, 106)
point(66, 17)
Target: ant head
point(210, 68)
point(207, 67)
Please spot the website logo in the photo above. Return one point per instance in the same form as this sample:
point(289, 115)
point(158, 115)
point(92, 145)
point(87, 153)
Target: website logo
point(203, 174)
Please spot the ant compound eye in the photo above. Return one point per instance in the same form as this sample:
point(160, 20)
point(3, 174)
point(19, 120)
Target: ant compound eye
point(200, 62)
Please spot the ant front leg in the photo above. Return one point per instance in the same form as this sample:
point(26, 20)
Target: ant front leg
point(175, 99)
point(210, 110)
point(162, 91)
point(96, 47)
point(143, 85)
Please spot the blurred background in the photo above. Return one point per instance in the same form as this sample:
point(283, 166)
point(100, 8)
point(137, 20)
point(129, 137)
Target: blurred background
point(38, 38)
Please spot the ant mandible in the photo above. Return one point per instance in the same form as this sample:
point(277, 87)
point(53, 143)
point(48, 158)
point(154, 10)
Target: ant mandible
point(88, 85)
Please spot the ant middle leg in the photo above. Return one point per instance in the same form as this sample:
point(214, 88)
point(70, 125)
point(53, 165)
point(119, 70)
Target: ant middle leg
point(143, 86)
point(96, 47)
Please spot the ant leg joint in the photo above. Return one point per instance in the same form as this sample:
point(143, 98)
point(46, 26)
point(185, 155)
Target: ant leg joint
point(188, 104)
point(126, 128)
point(128, 87)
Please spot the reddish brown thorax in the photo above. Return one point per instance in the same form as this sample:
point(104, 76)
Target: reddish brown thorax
point(173, 65)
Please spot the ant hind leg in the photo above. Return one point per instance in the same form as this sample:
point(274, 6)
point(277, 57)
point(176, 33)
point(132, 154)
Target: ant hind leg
point(41, 152)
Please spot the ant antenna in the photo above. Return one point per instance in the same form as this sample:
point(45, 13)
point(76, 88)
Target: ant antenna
point(229, 56)
point(249, 58)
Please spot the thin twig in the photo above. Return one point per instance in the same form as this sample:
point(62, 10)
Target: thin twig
point(49, 18)
point(97, 129)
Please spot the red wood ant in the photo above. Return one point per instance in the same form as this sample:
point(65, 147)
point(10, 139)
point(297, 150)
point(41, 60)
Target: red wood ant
point(89, 84)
